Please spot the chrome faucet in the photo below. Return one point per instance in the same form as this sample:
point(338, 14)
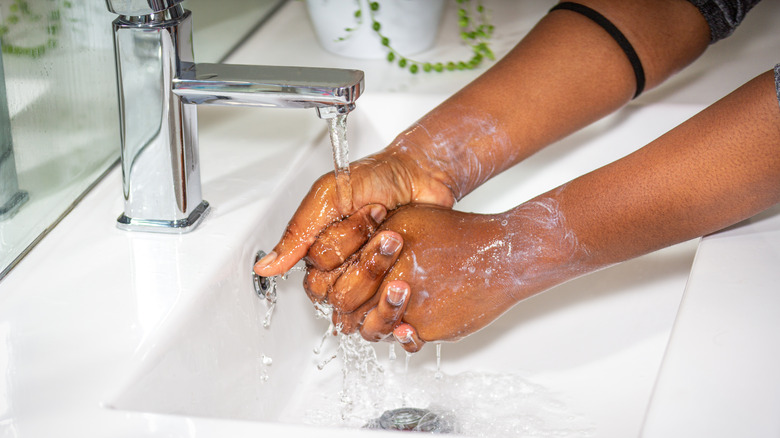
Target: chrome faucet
point(159, 85)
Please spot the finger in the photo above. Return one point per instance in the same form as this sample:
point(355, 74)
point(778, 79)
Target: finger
point(340, 240)
point(317, 210)
point(361, 279)
point(349, 322)
point(317, 283)
point(406, 335)
point(380, 321)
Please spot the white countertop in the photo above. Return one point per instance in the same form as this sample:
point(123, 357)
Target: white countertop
point(64, 345)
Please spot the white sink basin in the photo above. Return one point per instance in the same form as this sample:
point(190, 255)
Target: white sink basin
point(108, 333)
point(585, 354)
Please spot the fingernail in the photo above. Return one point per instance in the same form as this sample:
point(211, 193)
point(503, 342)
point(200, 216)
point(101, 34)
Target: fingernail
point(389, 245)
point(378, 214)
point(266, 260)
point(396, 295)
point(403, 334)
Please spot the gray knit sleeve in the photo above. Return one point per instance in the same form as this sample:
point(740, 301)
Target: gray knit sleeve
point(723, 16)
point(777, 82)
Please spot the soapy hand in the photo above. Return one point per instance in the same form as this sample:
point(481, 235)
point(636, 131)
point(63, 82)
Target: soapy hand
point(383, 181)
point(439, 159)
point(442, 285)
point(435, 274)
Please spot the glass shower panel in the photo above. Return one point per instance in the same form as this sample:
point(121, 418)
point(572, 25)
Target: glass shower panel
point(59, 120)
point(60, 96)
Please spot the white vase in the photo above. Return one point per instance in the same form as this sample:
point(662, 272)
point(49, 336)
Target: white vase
point(411, 26)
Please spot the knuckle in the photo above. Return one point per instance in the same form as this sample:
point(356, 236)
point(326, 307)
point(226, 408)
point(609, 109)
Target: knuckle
point(319, 284)
point(374, 267)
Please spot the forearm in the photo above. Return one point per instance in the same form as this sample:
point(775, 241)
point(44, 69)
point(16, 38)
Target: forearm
point(720, 167)
point(463, 270)
point(565, 74)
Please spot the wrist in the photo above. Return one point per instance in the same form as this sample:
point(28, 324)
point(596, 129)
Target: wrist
point(461, 146)
point(546, 250)
point(417, 172)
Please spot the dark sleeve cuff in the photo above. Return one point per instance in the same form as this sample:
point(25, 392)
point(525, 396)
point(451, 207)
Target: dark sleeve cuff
point(777, 82)
point(723, 16)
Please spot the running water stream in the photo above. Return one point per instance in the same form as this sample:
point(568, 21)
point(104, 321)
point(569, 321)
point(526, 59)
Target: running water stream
point(397, 396)
point(375, 396)
point(337, 131)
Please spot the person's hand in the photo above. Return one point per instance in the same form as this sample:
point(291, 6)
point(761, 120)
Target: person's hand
point(445, 283)
point(429, 274)
point(384, 181)
point(435, 274)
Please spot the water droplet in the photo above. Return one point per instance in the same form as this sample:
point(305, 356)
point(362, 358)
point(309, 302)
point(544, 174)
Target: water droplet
point(325, 362)
point(438, 375)
point(269, 314)
point(328, 332)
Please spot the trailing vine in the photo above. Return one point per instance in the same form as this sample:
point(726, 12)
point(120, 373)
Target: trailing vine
point(475, 30)
point(19, 14)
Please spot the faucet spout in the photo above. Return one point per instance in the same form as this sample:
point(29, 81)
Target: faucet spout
point(268, 86)
point(160, 85)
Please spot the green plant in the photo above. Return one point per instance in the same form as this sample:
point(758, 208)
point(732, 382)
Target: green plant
point(20, 14)
point(475, 30)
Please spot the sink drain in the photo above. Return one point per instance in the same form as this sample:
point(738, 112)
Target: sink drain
point(265, 287)
point(412, 419)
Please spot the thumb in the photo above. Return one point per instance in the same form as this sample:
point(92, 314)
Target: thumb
point(300, 234)
point(317, 210)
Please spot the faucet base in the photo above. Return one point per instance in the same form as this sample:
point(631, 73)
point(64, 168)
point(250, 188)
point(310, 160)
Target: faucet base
point(180, 226)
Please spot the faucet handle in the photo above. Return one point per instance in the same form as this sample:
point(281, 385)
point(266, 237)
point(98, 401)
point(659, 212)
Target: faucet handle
point(136, 8)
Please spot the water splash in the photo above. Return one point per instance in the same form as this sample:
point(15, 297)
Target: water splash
point(328, 333)
point(478, 404)
point(321, 365)
point(271, 295)
point(295, 268)
point(270, 298)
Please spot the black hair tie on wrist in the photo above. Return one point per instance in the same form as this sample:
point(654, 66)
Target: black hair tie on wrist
point(616, 34)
